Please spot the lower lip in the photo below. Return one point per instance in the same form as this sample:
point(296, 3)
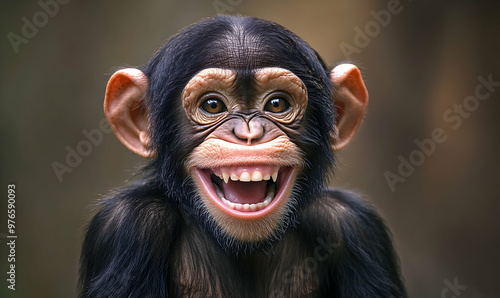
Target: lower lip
point(285, 179)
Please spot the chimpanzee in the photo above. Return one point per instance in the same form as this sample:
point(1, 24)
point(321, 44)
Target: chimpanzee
point(239, 120)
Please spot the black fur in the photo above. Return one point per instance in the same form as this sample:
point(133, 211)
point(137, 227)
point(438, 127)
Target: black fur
point(153, 238)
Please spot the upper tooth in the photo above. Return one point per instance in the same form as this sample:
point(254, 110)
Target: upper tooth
point(275, 176)
point(257, 176)
point(245, 176)
point(248, 176)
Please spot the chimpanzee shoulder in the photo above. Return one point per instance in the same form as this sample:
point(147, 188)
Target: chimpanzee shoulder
point(359, 243)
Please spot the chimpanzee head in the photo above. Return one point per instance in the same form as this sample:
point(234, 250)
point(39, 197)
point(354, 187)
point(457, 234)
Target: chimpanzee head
point(240, 118)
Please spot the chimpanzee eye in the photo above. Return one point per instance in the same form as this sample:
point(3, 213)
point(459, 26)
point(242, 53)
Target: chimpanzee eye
point(277, 105)
point(213, 106)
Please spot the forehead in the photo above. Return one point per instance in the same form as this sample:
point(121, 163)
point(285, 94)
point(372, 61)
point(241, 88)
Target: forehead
point(249, 44)
point(242, 54)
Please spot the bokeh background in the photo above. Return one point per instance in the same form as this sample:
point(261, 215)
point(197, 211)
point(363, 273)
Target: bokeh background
point(424, 60)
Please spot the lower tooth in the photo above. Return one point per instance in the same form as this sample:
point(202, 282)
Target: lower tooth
point(247, 207)
point(218, 191)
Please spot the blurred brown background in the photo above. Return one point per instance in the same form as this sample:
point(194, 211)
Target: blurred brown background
point(417, 65)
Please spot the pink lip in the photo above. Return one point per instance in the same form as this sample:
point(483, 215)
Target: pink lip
point(284, 184)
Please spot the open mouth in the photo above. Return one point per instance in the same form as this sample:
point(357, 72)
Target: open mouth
point(252, 190)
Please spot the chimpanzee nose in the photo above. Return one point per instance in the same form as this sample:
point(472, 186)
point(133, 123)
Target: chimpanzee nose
point(249, 132)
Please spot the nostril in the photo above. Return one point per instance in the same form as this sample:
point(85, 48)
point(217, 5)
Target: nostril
point(259, 134)
point(239, 136)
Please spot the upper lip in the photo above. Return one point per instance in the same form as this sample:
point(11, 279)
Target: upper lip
point(217, 153)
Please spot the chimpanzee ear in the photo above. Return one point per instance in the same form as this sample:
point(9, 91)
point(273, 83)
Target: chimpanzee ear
point(123, 107)
point(351, 99)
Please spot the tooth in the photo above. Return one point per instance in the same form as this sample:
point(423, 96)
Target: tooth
point(246, 207)
point(253, 207)
point(266, 202)
point(245, 176)
point(238, 206)
point(229, 203)
point(267, 177)
point(225, 176)
point(260, 205)
point(275, 176)
point(234, 177)
point(257, 176)
point(271, 189)
point(218, 191)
